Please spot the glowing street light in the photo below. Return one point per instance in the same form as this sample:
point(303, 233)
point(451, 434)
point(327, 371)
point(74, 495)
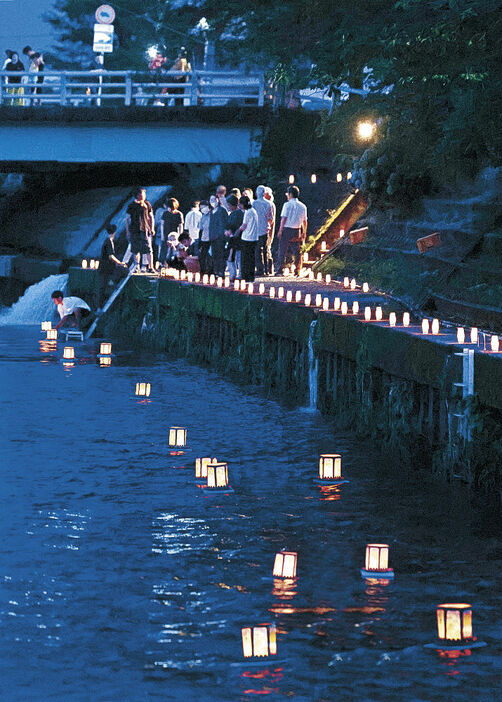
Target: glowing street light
point(366, 130)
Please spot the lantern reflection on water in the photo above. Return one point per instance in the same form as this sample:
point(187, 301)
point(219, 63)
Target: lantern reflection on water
point(259, 641)
point(105, 360)
point(376, 563)
point(330, 469)
point(285, 564)
point(177, 437)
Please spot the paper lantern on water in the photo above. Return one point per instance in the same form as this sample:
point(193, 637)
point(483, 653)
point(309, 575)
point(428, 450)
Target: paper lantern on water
point(96, 265)
point(243, 285)
point(285, 564)
point(183, 275)
point(344, 308)
point(319, 277)
point(291, 179)
point(280, 292)
point(201, 465)
point(454, 623)
point(271, 291)
point(330, 468)
point(289, 296)
point(367, 313)
point(259, 641)
point(205, 279)
point(311, 275)
point(212, 279)
point(346, 281)
point(378, 314)
point(392, 319)
point(92, 263)
point(377, 561)
point(353, 284)
point(435, 327)
point(307, 300)
point(197, 277)
point(324, 246)
point(227, 281)
point(325, 303)
point(177, 437)
point(237, 285)
point(217, 475)
point(105, 348)
point(349, 175)
point(298, 296)
point(313, 178)
point(46, 325)
point(219, 282)
point(51, 334)
point(190, 277)
point(425, 326)
point(406, 319)
point(143, 389)
point(68, 353)
point(339, 177)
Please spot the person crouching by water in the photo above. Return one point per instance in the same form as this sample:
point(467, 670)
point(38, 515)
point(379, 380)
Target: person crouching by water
point(110, 268)
point(71, 309)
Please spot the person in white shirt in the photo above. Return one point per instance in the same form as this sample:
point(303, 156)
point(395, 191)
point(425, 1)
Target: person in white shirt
point(264, 211)
point(192, 221)
point(249, 238)
point(70, 309)
point(293, 227)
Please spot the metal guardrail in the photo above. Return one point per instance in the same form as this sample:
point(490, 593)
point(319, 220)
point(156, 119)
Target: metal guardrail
point(100, 87)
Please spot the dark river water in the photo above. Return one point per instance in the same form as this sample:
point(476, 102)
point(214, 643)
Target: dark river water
point(120, 580)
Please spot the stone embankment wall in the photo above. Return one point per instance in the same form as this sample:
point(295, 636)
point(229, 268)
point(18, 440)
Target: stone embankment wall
point(394, 388)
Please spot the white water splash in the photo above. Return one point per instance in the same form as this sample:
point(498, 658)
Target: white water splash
point(35, 305)
point(313, 366)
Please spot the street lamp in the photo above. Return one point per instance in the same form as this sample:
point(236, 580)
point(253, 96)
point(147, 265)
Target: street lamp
point(366, 130)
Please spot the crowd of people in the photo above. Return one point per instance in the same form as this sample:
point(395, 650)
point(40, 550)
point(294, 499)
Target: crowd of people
point(27, 85)
point(232, 232)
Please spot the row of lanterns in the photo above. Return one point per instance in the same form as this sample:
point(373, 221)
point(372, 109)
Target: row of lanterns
point(92, 264)
point(313, 177)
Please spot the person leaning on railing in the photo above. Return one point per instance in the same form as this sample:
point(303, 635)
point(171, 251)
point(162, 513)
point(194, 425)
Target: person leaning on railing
point(181, 64)
point(14, 65)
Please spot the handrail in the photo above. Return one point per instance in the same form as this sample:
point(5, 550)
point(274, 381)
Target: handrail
point(77, 88)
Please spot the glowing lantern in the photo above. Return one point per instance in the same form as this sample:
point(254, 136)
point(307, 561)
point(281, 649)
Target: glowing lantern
point(344, 308)
point(349, 175)
point(435, 326)
point(217, 475)
point(318, 300)
point(143, 389)
point(346, 282)
point(336, 304)
point(330, 469)
point(96, 265)
point(51, 334)
point(366, 287)
point(474, 335)
point(377, 561)
point(328, 278)
point(105, 360)
point(425, 326)
point(454, 622)
point(285, 564)
point(293, 268)
point(392, 319)
point(197, 277)
point(298, 296)
point(339, 177)
point(378, 314)
point(286, 271)
point(91, 263)
point(84, 263)
point(319, 277)
point(259, 641)
point(280, 292)
point(46, 325)
point(367, 314)
point(243, 285)
point(271, 291)
point(105, 349)
point(289, 296)
point(307, 300)
point(460, 335)
point(201, 465)
point(342, 233)
point(183, 275)
point(353, 284)
point(311, 275)
point(324, 246)
point(177, 437)
point(227, 282)
point(313, 178)
point(261, 288)
point(250, 288)
point(291, 179)
point(219, 283)
point(237, 285)
point(355, 307)
point(212, 279)
point(494, 344)
point(68, 353)
point(205, 279)
point(325, 303)
point(406, 319)
point(306, 257)
point(176, 275)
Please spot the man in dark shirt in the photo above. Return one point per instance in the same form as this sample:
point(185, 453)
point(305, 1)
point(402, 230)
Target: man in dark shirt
point(217, 226)
point(140, 229)
point(170, 223)
point(233, 242)
point(110, 268)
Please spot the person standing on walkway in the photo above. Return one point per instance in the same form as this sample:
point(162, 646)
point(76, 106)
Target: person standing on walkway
point(140, 228)
point(221, 195)
point(235, 219)
point(264, 212)
point(218, 225)
point(110, 268)
point(171, 222)
point(204, 243)
point(269, 195)
point(293, 227)
point(192, 222)
point(249, 236)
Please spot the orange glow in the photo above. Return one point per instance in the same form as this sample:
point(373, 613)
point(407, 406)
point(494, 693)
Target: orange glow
point(105, 361)
point(454, 622)
point(377, 557)
point(51, 334)
point(330, 466)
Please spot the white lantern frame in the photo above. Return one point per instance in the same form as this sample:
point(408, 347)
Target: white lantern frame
point(376, 562)
point(259, 642)
point(285, 564)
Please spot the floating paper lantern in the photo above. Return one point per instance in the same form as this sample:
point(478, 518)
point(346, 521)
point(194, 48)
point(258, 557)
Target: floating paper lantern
point(46, 325)
point(271, 291)
point(298, 296)
point(201, 465)
point(330, 469)
point(355, 307)
point(190, 277)
point(96, 265)
point(280, 292)
point(336, 304)
point(318, 300)
point(285, 564)
point(346, 281)
point(250, 288)
point(344, 308)
point(289, 296)
point(454, 623)
point(313, 178)
point(435, 327)
point(237, 285)
point(353, 284)
point(105, 348)
point(84, 263)
point(406, 319)
point(197, 277)
point(392, 319)
point(325, 303)
point(143, 389)
point(376, 563)
point(378, 314)
point(105, 360)
point(324, 246)
point(68, 353)
point(307, 300)
point(261, 288)
point(176, 275)
point(339, 177)
point(425, 326)
point(328, 278)
point(286, 272)
point(460, 335)
point(291, 179)
point(51, 334)
point(365, 288)
point(219, 282)
point(367, 314)
point(494, 344)
point(259, 641)
point(177, 437)
point(217, 475)
point(243, 285)
point(474, 335)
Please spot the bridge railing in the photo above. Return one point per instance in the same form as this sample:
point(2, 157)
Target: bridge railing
point(85, 88)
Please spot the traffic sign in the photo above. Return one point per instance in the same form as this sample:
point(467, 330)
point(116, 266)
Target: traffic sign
point(105, 14)
point(103, 38)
